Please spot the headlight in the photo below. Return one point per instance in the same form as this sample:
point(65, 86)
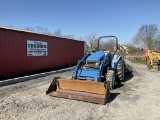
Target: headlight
point(97, 64)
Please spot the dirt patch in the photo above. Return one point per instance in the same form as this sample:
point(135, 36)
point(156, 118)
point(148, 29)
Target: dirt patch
point(136, 98)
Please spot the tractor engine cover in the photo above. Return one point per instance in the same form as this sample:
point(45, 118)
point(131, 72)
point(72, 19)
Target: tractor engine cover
point(97, 56)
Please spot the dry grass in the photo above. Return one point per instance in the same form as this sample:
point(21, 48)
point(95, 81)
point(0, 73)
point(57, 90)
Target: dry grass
point(137, 61)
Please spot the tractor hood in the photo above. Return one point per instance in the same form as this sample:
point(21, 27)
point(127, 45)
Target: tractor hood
point(97, 56)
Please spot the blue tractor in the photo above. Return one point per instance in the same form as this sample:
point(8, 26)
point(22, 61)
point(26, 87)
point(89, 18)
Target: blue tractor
point(93, 77)
point(102, 66)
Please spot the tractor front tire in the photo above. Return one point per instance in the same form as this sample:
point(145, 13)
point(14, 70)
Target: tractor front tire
point(110, 77)
point(121, 71)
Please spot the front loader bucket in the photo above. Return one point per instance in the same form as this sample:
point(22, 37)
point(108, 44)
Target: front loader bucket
point(89, 91)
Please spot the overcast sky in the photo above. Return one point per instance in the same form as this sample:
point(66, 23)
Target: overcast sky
point(121, 18)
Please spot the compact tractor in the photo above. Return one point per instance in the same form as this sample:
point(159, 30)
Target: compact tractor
point(93, 77)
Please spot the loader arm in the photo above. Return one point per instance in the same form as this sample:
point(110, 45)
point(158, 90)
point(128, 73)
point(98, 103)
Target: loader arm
point(80, 62)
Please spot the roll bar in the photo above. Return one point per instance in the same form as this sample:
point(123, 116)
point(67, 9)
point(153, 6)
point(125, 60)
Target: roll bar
point(108, 37)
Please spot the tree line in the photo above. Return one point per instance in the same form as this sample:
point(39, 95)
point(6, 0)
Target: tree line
point(147, 37)
point(45, 31)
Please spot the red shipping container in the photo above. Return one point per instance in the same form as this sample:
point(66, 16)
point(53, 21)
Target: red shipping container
point(13, 52)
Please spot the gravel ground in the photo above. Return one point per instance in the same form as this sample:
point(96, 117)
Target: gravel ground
point(136, 99)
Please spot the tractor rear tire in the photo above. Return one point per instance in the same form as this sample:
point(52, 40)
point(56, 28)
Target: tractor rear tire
point(121, 71)
point(111, 77)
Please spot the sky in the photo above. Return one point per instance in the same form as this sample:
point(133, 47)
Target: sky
point(121, 18)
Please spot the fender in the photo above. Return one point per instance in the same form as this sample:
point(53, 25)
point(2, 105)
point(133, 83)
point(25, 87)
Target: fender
point(115, 60)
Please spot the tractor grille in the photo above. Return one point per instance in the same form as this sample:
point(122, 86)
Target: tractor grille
point(91, 64)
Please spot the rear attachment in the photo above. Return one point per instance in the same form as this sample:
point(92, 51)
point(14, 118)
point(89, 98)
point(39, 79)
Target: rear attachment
point(88, 91)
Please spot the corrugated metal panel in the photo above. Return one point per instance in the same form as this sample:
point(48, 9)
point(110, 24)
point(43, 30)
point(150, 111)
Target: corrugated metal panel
point(13, 52)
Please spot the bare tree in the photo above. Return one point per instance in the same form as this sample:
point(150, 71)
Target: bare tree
point(91, 39)
point(46, 31)
point(157, 43)
point(58, 33)
point(42, 30)
point(138, 43)
point(108, 45)
point(39, 29)
point(148, 34)
point(80, 38)
point(69, 36)
point(29, 29)
point(132, 49)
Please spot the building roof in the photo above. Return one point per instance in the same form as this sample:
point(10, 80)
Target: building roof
point(20, 30)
